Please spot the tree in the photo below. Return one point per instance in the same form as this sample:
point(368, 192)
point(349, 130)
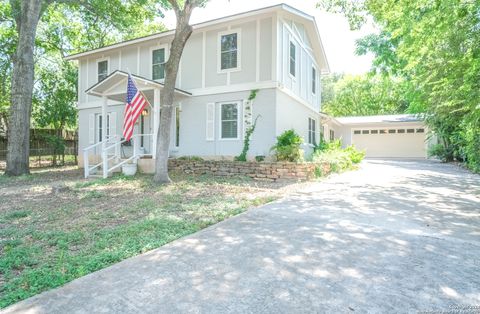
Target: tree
point(364, 95)
point(183, 11)
point(435, 47)
point(101, 17)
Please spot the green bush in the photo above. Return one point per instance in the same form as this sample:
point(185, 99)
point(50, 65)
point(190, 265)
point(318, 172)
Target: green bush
point(288, 148)
point(339, 159)
point(356, 156)
point(439, 151)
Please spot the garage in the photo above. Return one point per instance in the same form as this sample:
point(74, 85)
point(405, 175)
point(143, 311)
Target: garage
point(394, 136)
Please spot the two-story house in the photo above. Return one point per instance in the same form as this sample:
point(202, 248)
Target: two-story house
point(276, 50)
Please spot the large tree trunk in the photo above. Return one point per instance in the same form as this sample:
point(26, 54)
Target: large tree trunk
point(182, 33)
point(27, 14)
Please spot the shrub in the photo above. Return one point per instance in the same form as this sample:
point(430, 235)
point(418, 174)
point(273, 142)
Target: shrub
point(288, 148)
point(356, 156)
point(337, 158)
point(259, 158)
point(439, 151)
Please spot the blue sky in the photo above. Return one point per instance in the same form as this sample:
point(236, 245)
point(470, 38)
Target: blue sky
point(338, 40)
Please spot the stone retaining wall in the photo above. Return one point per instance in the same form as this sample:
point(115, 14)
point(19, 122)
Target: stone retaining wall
point(265, 171)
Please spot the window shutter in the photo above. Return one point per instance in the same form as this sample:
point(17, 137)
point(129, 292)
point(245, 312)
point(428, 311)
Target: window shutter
point(113, 124)
point(91, 128)
point(210, 126)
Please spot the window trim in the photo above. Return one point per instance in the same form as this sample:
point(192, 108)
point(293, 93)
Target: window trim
point(167, 55)
point(239, 114)
point(292, 42)
point(237, 31)
point(108, 66)
point(312, 133)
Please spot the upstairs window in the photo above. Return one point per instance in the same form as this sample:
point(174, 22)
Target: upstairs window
point(293, 58)
point(229, 51)
point(314, 81)
point(229, 120)
point(312, 129)
point(102, 70)
point(158, 64)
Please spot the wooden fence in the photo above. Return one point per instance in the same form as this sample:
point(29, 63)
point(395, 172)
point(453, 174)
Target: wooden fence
point(41, 147)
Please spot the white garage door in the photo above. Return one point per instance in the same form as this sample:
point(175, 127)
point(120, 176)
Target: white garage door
point(391, 142)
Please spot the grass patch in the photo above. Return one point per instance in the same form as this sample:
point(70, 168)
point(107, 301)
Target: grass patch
point(47, 240)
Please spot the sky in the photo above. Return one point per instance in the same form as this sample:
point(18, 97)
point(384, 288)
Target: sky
point(338, 40)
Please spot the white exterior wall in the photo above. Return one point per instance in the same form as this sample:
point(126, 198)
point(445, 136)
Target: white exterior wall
point(300, 84)
point(292, 114)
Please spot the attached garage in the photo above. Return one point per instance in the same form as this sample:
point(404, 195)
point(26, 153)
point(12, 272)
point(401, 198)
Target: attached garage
point(393, 136)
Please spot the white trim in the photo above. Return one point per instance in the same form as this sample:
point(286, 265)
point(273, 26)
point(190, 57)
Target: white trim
point(150, 59)
point(239, 114)
point(232, 88)
point(138, 60)
point(257, 52)
point(237, 31)
point(120, 59)
point(204, 58)
point(275, 51)
point(87, 83)
point(299, 40)
point(97, 61)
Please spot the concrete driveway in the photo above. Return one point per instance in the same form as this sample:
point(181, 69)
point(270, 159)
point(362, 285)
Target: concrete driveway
point(393, 237)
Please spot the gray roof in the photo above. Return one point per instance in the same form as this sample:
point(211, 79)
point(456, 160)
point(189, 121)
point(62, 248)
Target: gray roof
point(396, 118)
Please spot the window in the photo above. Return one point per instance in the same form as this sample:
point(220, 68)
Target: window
point(100, 128)
point(177, 126)
point(420, 130)
point(312, 129)
point(158, 64)
point(401, 131)
point(293, 58)
point(229, 51)
point(374, 132)
point(229, 120)
point(356, 132)
point(365, 132)
point(102, 70)
point(383, 131)
point(391, 131)
point(322, 133)
point(332, 135)
point(410, 130)
point(314, 81)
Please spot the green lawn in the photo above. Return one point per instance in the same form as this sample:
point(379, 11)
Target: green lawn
point(49, 239)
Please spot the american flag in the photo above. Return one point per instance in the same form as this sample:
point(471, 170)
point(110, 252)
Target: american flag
point(134, 106)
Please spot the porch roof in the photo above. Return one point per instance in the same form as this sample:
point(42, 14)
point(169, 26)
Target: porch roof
point(112, 86)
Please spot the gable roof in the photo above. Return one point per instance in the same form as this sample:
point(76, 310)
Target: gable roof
point(396, 118)
point(284, 7)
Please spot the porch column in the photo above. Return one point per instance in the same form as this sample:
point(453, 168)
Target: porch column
point(156, 120)
point(104, 136)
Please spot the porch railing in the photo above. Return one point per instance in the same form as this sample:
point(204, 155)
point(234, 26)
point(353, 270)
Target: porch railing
point(112, 152)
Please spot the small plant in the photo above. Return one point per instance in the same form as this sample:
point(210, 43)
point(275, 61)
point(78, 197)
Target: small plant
point(246, 141)
point(260, 158)
point(439, 151)
point(356, 156)
point(288, 148)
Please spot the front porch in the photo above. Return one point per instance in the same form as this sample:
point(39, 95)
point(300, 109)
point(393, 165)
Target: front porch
point(110, 150)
